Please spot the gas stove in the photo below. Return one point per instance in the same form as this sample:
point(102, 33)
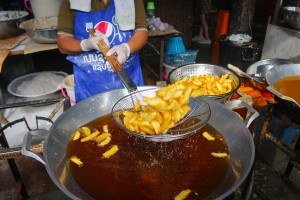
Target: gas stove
point(17, 119)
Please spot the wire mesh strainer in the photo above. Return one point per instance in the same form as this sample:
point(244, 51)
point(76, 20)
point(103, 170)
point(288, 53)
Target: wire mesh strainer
point(195, 119)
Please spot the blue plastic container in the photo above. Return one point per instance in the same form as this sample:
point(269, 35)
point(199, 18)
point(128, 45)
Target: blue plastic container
point(175, 45)
point(179, 59)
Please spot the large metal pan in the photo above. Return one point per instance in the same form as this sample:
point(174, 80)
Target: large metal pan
point(239, 140)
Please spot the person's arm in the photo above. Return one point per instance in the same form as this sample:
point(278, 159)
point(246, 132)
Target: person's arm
point(136, 43)
point(68, 44)
point(138, 40)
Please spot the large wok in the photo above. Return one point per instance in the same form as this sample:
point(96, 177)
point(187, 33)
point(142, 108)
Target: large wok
point(233, 129)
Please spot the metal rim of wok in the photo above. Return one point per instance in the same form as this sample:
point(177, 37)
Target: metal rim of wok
point(239, 139)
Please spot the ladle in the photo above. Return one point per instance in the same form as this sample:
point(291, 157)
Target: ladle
point(243, 74)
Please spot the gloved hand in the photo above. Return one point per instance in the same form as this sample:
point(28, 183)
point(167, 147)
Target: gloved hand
point(91, 43)
point(122, 51)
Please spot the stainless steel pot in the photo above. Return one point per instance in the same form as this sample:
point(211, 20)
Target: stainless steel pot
point(41, 30)
point(9, 23)
point(239, 140)
point(292, 16)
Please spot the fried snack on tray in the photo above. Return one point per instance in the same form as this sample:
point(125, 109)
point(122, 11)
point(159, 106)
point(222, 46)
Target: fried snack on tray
point(162, 112)
point(183, 194)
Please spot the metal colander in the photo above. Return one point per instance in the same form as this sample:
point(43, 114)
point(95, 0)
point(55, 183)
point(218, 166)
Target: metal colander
point(202, 69)
point(195, 119)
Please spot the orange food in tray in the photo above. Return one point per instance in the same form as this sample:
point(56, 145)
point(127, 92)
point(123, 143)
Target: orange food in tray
point(260, 98)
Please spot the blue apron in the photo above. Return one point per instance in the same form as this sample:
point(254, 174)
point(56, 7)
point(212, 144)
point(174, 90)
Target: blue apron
point(92, 72)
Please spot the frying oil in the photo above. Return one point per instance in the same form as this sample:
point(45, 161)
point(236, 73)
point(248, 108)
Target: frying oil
point(148, 170)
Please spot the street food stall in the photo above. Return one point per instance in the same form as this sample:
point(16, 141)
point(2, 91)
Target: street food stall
point(204, 134)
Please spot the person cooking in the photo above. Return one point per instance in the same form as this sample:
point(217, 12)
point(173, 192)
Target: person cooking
point(123, 26)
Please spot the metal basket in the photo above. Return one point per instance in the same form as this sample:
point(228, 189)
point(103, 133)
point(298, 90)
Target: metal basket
point(202, 69)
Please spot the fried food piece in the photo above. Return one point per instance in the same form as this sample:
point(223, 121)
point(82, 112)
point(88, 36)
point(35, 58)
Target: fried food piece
point(219, 155)
point(105, 128)
point(104, 142)
point(183, 194)
point(76, 160)
point(110, 152)
point(137, 105)
point(77, 135)
point(102, 137)
point(156, 102)
point(90, 137)
point(208, 136)
point(86, 131)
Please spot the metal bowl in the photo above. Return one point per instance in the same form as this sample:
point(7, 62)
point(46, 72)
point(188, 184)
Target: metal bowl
point(279, 72)
point(41, 30)
point(292, 16)
point(201, 69)
point(12, 87)
point(9, 23)
point(259, 69)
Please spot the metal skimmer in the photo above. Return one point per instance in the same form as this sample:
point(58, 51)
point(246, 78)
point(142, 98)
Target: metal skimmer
point(195, 119)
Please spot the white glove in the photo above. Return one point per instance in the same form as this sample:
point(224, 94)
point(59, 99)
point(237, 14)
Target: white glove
point(122, 51)
point(91, 43)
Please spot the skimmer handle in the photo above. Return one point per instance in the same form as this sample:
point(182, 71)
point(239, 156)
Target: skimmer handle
point(117, 67)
